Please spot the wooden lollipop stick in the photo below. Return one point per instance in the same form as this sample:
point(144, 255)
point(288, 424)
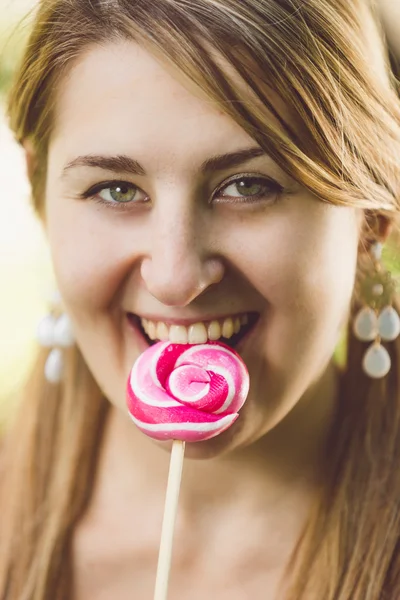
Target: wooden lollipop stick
point(168, 526)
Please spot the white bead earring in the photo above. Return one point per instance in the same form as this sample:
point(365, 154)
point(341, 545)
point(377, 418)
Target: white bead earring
point(55, 332)
point(377, 320)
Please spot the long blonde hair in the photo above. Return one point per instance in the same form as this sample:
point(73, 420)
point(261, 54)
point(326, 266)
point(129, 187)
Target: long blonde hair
point(316, 55)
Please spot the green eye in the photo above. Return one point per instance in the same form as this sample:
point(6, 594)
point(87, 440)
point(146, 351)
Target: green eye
point(246, 188)
point(116, 194)
point(123, 192)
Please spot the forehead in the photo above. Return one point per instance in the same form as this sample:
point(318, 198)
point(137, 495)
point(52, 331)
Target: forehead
point(121, 90)
point(119, 93)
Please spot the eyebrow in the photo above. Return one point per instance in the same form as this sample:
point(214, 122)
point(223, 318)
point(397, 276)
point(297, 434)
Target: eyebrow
point(124, 164)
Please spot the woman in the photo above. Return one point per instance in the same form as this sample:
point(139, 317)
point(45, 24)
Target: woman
point(203, 168)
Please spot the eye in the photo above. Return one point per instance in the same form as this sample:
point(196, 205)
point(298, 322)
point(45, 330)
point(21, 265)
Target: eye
point(249, 189)
point(115, 193)
point(241, 190)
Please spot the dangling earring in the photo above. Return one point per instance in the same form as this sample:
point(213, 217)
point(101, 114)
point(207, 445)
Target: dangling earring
point(55, 332)
point(377, 320)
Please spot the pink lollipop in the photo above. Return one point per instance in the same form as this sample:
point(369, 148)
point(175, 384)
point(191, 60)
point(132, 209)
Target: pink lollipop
point(187, 392)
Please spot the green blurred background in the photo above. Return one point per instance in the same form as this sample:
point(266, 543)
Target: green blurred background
point(26, 277)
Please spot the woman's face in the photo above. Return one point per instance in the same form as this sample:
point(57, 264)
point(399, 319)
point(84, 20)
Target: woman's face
point(171, 235)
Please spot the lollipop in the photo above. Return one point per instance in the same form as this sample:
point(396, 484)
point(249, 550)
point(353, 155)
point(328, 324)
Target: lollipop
point(184, 393)
point(187, 392)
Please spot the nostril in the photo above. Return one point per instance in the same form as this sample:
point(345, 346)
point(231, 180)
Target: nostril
point(215, 271)
point(177, 282)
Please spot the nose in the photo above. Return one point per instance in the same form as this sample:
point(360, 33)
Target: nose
point(179, 266)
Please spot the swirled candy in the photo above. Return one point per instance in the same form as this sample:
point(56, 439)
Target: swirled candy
point(187, 392)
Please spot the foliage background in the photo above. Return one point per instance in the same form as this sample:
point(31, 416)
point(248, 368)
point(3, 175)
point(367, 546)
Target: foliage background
point(26, 279)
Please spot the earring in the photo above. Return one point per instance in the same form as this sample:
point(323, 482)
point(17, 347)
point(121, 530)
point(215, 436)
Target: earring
point(55, 332)
point(377, 320)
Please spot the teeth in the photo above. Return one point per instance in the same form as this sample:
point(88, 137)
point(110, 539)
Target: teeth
point(214, 331)
point(227, 328)
point(151, 330)
point(198, 333)
point(162, 332)
point(178, 334)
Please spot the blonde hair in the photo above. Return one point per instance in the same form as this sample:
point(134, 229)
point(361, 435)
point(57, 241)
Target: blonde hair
point(315, 55)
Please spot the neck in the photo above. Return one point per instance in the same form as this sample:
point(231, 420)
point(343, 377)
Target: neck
point(262, 493)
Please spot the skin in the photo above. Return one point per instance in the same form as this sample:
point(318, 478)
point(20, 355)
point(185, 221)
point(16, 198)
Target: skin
point(180, 257)
point(177, 256)
point(390, 15)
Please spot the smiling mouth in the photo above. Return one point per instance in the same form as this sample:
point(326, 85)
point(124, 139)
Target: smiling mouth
point(229, 330)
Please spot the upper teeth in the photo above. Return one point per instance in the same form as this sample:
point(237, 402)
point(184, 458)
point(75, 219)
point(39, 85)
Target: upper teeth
point(198, 333)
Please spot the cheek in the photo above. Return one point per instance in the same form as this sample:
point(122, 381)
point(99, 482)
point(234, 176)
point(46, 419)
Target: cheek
point(90, 263)
point(304, 266)
point(326, 269)
point(88, 253)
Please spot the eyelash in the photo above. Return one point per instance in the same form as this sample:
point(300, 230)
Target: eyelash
point(274, 188)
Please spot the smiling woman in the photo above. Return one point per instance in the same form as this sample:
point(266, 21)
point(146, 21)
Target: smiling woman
point(212, 170)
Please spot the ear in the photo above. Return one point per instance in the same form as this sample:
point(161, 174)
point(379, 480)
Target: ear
point(375, 228)
point(386, 228)
point(30, 158)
